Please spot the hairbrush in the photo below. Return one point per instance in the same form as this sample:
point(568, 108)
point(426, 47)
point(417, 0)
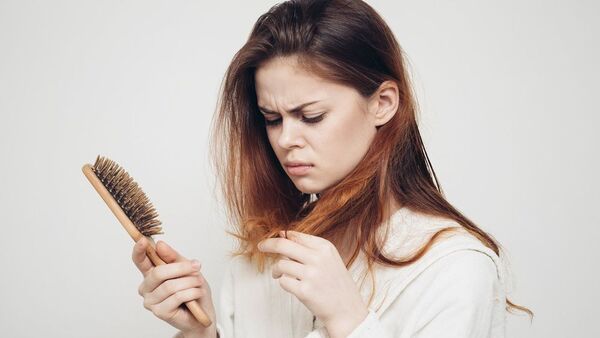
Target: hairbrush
point(133, 209)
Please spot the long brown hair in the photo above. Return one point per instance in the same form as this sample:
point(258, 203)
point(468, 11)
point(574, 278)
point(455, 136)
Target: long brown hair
point(346, 42)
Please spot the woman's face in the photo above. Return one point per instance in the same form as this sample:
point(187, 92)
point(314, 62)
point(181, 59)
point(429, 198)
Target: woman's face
point(329, 136)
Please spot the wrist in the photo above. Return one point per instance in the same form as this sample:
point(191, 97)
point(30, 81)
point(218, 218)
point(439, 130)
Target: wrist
point(210, 332)
point(342, 325)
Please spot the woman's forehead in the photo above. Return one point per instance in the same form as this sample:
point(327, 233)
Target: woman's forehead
point(291, 92)
point(280, 77)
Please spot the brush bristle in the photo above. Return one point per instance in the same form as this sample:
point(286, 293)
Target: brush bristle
point(128, 195)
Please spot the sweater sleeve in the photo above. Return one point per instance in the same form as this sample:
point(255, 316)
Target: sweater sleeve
point(457, 301)
point(225, 317)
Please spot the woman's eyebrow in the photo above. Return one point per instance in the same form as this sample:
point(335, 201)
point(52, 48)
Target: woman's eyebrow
point(293, 110)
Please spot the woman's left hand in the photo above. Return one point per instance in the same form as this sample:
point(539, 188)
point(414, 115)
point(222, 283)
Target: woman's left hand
point(311, 269)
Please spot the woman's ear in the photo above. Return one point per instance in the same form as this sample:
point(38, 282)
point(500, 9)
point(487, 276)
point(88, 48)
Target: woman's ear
point(383, 104)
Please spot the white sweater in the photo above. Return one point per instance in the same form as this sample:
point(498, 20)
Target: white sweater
point(457, 289)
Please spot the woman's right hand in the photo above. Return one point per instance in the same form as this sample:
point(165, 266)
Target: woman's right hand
point(166, 287)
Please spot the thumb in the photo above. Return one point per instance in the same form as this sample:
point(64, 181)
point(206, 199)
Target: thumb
point(167, 253)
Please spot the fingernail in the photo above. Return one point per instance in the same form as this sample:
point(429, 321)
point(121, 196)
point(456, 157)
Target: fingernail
point(195, 264)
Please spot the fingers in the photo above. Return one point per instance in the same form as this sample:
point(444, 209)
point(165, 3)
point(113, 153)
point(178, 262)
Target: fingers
point(167, 253)
point(286, 247)
point(170, 287)
point(290, 268)
point(160, 273)
point(171, 305)
point(139, 257)
point(164, 251)
point(314, 242)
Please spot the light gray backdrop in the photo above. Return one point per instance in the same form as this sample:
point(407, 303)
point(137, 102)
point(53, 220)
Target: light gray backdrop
point(508, 92)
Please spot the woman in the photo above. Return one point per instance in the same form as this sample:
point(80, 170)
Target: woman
point(316, 133)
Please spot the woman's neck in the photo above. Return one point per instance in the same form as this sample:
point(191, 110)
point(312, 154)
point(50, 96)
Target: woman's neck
point(347, 244)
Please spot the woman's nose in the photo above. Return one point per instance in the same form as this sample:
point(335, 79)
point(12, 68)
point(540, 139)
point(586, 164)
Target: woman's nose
point(291, 134)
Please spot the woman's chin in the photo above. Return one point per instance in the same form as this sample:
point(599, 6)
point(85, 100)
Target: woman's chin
point(306, 189)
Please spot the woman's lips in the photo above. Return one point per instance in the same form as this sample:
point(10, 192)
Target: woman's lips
point(299, 170)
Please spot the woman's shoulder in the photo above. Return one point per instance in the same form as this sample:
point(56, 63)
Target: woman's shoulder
point(457, 261)
point(409, 230)
point(457, 251)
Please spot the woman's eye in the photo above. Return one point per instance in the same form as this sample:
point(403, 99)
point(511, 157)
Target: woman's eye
point(314, 119)
point(272, 122)
point(305, 119)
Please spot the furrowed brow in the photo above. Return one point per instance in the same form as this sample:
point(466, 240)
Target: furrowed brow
point(293, 110)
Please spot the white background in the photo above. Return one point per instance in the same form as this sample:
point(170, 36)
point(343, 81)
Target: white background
point(507, 91)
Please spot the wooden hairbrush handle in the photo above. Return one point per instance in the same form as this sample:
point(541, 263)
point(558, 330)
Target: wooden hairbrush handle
point(193, 305)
